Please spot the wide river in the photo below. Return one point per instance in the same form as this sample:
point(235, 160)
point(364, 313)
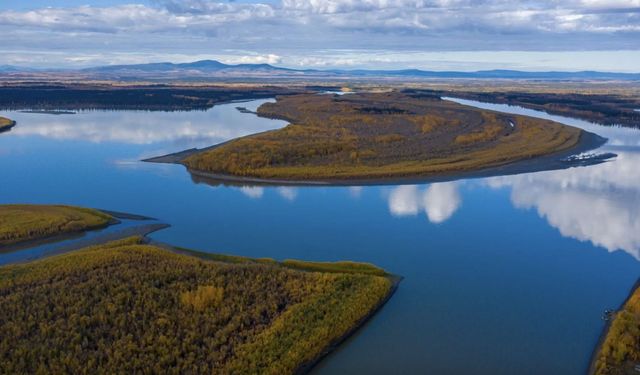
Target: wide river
point(503, 275)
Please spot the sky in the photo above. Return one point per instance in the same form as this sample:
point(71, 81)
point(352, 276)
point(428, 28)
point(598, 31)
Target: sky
point(463, 35)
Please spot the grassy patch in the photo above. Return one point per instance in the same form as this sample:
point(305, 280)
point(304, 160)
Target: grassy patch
point(620, 350)
point(126, 307)
point(381, 135)
point(22, 222)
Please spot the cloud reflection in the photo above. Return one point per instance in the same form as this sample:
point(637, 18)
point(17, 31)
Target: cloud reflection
point(439, 201)
point(600, 204)
point(185, 129)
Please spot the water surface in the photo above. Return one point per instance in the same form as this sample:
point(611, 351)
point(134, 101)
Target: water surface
point(503, 275)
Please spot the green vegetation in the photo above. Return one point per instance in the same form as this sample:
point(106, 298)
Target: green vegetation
point(127, 307)
point(23, 222)
point(381, 135)
point(6, 124)
point(620, 351)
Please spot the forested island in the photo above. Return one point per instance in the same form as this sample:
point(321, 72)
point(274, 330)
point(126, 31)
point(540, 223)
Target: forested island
point(379, 136)
point(6, 124)
point(128, 306)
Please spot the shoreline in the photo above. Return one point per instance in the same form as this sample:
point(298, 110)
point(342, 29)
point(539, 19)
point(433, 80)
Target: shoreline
point(62, 237)
point(554, 161)
point(605, 330)
point(144, 230)
point(8, 126)
point(306, 367)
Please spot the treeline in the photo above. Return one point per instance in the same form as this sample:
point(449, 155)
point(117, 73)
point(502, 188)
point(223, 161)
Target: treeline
point(117, 98)
point(599, 108)
point(126, 307)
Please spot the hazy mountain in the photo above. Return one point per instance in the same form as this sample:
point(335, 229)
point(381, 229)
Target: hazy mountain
point(211, 69)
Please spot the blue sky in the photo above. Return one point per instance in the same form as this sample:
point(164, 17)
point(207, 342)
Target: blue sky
point(428, 34)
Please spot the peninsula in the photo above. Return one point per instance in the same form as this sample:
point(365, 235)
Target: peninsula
point(130, 306)
point(26, 222)
point(6, 124)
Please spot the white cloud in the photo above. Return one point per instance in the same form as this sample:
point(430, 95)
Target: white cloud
point(600, 204)
point(288, 193)
point(297, 32)
point(253, 192)
point(439, 201)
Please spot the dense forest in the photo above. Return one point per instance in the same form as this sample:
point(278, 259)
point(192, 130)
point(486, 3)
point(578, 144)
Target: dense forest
point(620, 351)
point(127, 307)
point(23, 222)
point(6, 124)
point(612, 109)
point(379, 135)
point(153, 98)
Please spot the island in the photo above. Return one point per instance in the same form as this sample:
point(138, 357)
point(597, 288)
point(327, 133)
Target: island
point(27, 222)
point(133, 306)
point(6, 124)
point(379, 136)
point(618, 352)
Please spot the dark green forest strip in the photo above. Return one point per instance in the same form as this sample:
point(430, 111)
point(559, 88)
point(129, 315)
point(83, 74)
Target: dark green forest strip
point(128, 307)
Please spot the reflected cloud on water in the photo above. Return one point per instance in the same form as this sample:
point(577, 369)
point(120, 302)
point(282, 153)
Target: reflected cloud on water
point(256, 192)
point(600, 204)
point(439, 201)
point(185, 129)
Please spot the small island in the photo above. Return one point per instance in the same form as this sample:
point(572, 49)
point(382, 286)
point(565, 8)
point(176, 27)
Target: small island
point(131, 306)
point(619, 350)
point(25, 222)
point(6, 124)
point(372, 137)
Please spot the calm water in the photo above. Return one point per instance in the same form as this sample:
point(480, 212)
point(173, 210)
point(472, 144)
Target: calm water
point(502, 275)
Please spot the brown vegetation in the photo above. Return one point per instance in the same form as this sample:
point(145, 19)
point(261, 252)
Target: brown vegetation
point(381, 135)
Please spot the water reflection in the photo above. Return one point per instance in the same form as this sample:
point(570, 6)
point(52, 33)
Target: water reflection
point(600, 204)
point(439, 201)
point(184, 129)
point(255, 192)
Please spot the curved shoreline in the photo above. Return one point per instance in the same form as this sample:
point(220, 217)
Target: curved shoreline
point(554, 161)
point(605, 330)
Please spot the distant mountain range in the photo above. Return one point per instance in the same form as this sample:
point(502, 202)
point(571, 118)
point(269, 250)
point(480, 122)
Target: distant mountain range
point(211, 69)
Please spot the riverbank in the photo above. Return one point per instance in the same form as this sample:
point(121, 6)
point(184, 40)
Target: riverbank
point(317, 306)
point(6, 124)
point(618, 348)
point(417, 143)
